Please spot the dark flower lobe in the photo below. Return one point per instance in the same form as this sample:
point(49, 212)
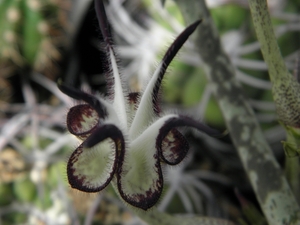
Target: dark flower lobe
point(174, 147)
point(82, 120)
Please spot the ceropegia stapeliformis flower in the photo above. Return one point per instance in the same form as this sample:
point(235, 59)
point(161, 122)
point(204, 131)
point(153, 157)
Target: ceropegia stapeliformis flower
point(126, 138)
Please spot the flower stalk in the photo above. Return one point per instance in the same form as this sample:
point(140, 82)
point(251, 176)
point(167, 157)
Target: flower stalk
point(292, 151)
point(285, 89)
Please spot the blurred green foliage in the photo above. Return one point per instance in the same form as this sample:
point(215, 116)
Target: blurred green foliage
point(29, 29)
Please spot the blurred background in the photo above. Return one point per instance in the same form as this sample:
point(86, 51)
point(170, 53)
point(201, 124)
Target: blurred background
point(43, 40)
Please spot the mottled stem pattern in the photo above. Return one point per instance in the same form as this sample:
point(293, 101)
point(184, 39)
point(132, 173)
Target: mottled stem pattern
point(271, 187)
point(285, 88)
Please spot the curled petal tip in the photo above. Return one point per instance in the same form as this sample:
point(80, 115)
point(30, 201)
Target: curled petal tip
point(93, 101)
point(81, 120)
point(103, 132)
point(173, 148)
point(103, 22)
point(221, 135)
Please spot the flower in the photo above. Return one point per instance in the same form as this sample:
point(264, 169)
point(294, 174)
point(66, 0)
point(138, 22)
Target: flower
point(126, 138)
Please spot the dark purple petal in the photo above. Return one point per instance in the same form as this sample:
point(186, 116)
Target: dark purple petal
point(168, 57)
point(103, 22)
point(82, 120)
point(173, 154)
point(103, 132)
point(92, 165)
point(114, 84)
point(88, 98)
point(174, 147)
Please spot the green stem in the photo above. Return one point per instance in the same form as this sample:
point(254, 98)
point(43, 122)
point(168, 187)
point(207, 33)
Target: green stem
point(292, 151)
point(266, 37)
point(271, 187)
point(292, 173)
point(285, 88)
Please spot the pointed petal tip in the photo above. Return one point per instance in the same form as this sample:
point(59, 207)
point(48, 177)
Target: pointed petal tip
point(103, 22)
point(93, 101)
point(70, 91)
point(196, 23)
point(168, 57)
point(62, 87)
point(192, 27)
point(223, 134)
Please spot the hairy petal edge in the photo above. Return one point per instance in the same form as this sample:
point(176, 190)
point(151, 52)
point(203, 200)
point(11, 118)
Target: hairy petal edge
point(92, 165)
